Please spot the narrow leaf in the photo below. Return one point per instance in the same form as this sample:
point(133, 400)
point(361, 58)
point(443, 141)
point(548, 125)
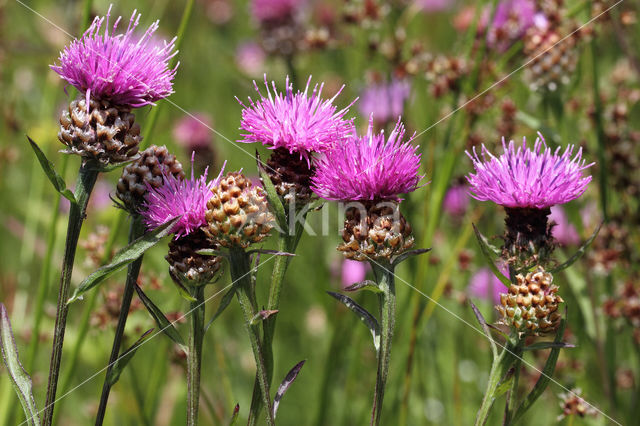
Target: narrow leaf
point(262, 315)
point(364, 285)
point(505, 385)
point(124, 257)
point(369, 320)
point(486, 249)
point(234, 416)
point(545, 377)
point(19, 378)
point(407, 254)
point(578, 254)
point(548, 345)
point(286, 383)
point(226, 300)
point(110, 167)
point(182, 290)
point(49, 170)
point(485, 328)
point(122, 361)
point(163, 323)
point(212, 252)
point(272, 196)
point(272, 252)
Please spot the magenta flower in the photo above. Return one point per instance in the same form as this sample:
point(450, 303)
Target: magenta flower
point(353, 272)
point(385, 101)
point(187, 198)
point(485, 285)
point(456, 200)
point(296, 122)
point(369, 167)
point(272, 10)
point(250, 58)
point(563, 231)
point(124, 69)
point(193, 131)
point(511, 20)
point(525, 178)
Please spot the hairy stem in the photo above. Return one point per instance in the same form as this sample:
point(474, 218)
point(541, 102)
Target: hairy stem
point(194, 355)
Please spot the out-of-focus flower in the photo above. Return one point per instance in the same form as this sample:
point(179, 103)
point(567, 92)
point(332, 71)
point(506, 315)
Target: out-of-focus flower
point(525, 178)
point(456, 200)
point(124, 69)
point(273, 10)
point(370, 167)
point(297, 122)
point(434, 5)
point(193, 131)
point(572, 404)
point(250, 58)
point(511, 20)
point(352, 272)
point(385, 101)
point(219, 11)
point(485, 285)
point(563, 231)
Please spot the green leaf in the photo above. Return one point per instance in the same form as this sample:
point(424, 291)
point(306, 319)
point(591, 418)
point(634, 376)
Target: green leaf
point(163, 323)
point(548, 345)
point(226, 300)
point(578, 253)
point(182, 290)
point(54, 177)
point(124, 257)
point(407, 254)
point(364, 315)
point(122, 361)
point(505, 385)
point(486, 249)
point(364, 285)
point(212, 252)
point(286, 383)
point(485, 329)
point(19, 378)
point(545, 377)
point(272, 196)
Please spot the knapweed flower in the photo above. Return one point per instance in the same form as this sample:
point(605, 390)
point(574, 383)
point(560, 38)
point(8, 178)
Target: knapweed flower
point(456, 200)
point(511, 20)
point(485, 285)
point(274, 10)
point(385, 101)
point(193, 131)
point(528, 178)
point(250, 58)
point(352, 272)
point(563, 231)
point(124, 69)
point(370, 167)
point(178, 197)
point(300, 123)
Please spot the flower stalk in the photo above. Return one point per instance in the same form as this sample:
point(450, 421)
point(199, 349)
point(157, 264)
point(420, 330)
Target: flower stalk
point(87, 176)
point(194, 354)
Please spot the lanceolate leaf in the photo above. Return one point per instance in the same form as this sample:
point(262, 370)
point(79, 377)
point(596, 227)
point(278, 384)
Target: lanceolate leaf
point(272, 196)
point(407, 254)
point(363, 314)
point(486, 249)
point(124, 257)
point(548, 345)
point(364, 285)
point(226, 300)
point(54, 177)
point(19, 377)
point(578, 253)
point(286, 383)
point(485, 328)
point(163, 323)
point(123, 360)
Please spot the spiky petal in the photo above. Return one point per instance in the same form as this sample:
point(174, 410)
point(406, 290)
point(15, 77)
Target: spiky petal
point(526, 178)
point(370, 167)
point(178, 197)
point(298, 122)
point(124, 69)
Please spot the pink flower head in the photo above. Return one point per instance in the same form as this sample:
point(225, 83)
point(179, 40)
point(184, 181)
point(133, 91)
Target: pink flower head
point(193, 131)
point(187, 198)
point(125, 69)
point(353, 272)
point(456, 200)
point(525, 178)
point(511, 20)
point(271, 10)
point(485, 285)
point(296, 122)
point(250, 58)
point(385, 101)
point(563, 230)
point(369, 167)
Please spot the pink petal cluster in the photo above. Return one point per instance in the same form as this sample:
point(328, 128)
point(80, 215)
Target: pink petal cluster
point(385, 101)
point(297, 122)
point(370, 167)
point(353, 272)
point(525, 178)
point(511, 20)
point(124, 69)
point(193, 131)
point(187, 198)
point(563, 230)
point(485, 285)
point(271, 10)
point(456, 200)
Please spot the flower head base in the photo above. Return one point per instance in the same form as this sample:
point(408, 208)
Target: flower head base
point(189, 267)
point(178, 197)
point(123, 69)
point(370, 167)
point(297, 122)
point(525, 178)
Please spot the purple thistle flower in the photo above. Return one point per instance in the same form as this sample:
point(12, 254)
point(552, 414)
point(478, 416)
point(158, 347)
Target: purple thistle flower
point(353, 272)
point(456, 200)
point(187, 198)
point(271, 10)
point(193, 131)
point(385, 101)
point(296, 122)
point(369, 167)
point(563, 231)
point(525, 178)
point(125, 69)
point(511, 20)
point(485, 285)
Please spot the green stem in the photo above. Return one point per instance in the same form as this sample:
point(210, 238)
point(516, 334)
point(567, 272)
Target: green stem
point(241, 277)
point(387, 299)
point(194, 355)
point(512, 400)
point(87, 176)
point(133, 270)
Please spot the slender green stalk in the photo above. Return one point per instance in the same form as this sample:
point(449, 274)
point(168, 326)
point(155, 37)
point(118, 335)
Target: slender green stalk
point(133, 270)
point(512, 399)
point(87, 176)
point(241, 276)
point(387, 299)
point(194, 355)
